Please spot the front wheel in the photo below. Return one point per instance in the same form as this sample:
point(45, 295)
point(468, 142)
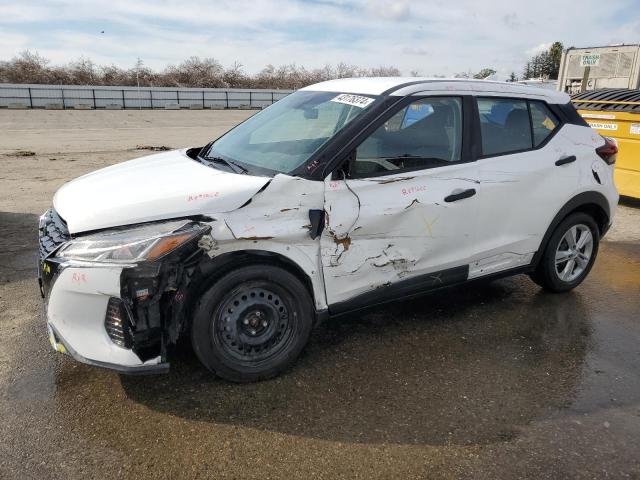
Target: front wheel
point(569, 254)
point(252, 324)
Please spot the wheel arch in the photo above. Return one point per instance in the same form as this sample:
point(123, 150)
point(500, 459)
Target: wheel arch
point(592, 203)
point(211, 270)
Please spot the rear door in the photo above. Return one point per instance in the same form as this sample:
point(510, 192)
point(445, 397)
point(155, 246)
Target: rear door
point(400, 215)
point(522, 187)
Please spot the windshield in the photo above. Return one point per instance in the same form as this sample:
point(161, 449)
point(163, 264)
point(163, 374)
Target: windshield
point(285, 135)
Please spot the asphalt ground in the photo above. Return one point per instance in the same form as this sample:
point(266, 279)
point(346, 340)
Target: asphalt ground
point(493, 380)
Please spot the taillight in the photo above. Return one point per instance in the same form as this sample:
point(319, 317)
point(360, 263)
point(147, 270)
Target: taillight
point(608, 151)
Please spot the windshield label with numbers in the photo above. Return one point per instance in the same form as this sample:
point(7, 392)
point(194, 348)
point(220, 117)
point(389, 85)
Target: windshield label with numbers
point(354, 100)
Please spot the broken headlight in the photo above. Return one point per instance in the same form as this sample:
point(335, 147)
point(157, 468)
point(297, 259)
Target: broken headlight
point(145, 242)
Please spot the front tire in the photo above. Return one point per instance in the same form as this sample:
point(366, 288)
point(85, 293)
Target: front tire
point(569, 254)
point(252, 323)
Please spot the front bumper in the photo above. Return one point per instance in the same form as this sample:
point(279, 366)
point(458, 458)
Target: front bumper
point(60, 345)
point(76, 299)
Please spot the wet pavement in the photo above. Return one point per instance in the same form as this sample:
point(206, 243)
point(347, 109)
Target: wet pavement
point(493, 380)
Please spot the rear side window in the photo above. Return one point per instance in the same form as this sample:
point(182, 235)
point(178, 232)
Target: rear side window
point(504, 125)
point(543, 120)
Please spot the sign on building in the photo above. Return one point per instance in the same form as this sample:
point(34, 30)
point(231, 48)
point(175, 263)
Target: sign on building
point(590, 60)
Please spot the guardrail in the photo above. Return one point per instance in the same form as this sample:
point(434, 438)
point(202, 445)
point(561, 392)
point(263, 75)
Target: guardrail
point(90, 97)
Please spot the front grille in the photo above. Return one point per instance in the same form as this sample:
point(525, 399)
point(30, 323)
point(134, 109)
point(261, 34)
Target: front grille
point(52, 233)
point(116, 323)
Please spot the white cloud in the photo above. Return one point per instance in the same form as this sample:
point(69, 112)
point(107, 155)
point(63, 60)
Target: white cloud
point(389, 9)
point(432, 36)
point(11, 44)
point(415, 51)
point(542, 47)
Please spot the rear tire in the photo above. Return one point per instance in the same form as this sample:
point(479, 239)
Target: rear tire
point(252, 323)
point(569, 254)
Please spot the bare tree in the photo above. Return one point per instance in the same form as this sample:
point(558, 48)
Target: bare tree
point(343, 70)
point(234, 76)
point(467, 74)
point(384, 72)
point(27, 67)
point(30, 67)
point(195, 72)
point(113, 75)
point(84, 71)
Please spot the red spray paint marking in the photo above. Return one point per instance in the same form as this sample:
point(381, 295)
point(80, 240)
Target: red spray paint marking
point(202, 196)
point(79, 278)
point(416, 189)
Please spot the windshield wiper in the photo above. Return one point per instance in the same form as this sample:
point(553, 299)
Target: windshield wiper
point(238, 166)
point(232, 165)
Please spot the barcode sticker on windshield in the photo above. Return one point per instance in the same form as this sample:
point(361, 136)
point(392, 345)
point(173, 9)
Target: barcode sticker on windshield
point(354, 100)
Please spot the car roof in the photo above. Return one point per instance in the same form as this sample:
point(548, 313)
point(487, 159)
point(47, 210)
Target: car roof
point(401, 86)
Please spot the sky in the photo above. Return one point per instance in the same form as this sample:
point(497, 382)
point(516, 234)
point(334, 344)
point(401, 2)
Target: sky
point(431, 37)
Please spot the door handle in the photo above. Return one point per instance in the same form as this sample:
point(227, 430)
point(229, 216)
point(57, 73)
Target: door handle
point(459, 196)
point(565, 160)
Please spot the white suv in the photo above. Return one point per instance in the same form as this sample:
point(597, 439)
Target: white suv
point(343, 195)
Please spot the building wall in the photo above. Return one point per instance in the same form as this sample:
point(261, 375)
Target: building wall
point(617, 67)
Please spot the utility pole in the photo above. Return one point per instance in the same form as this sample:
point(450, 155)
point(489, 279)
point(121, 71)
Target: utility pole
point(138, 65)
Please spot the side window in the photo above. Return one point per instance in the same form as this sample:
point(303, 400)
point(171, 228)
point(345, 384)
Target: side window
point(543, 120)
point(425, 134)
point(504, 125)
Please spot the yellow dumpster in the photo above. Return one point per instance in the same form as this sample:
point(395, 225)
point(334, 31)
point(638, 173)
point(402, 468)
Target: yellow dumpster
point(615, 112)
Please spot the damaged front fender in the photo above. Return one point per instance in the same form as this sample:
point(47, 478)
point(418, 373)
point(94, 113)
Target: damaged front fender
point(284, 220)
point(280, 223)
point(148, 301)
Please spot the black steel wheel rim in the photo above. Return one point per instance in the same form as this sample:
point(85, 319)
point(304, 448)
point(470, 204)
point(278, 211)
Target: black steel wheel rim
point(253, 325)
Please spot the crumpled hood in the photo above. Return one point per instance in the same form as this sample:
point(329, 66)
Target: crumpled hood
point(156, 187)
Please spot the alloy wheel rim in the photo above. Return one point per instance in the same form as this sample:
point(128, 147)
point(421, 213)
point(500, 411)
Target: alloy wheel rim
point(574, 252)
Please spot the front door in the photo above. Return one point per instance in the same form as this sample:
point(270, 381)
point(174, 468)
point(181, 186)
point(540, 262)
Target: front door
point(401, 213)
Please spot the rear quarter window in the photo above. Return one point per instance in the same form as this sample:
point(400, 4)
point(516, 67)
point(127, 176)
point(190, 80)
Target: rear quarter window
point(572, 115)
point(543, 121)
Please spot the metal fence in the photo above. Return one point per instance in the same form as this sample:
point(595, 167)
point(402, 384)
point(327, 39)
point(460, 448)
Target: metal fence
point(89, 97)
